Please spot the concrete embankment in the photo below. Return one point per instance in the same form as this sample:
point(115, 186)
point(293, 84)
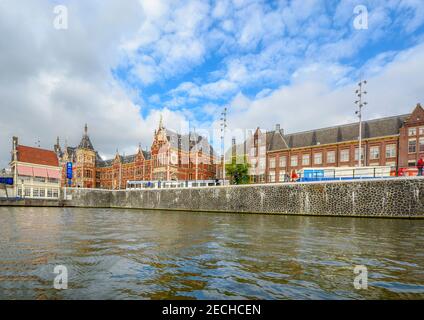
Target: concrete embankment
point(397, 197)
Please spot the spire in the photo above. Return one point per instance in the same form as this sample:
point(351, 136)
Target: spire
point(57, 141)
point(85, 141)
point(161, 121)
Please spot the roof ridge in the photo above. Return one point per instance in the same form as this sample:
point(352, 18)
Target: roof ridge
point(347, 124)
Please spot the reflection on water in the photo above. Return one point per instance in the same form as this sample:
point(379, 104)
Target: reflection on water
point(130, 254)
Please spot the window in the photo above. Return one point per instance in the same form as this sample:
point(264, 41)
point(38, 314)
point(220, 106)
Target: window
point(305, 159)
point(282, 176)
point(411, 163)
point(412, 131)
point(20, 192)
point(272, 176)
point(27, 192)
point(293, 161)
point(375, 153)
point(357, 153)
point(283, 161)
point(49, 193)
point(318, 158)
point(391, 151)
point(42, 193)
point(421, 144)
point(331, 156)
point(344, 155)
point(55, 193)
point(53, 180)
point(262, 164)
point(421, 131)
point(262, 150)
point(412, 145)
point(35, 192)
point(39, 179)
point(272, 162)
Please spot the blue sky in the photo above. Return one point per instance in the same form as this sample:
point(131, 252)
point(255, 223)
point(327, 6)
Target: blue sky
point(119, 65)
point(202, 54)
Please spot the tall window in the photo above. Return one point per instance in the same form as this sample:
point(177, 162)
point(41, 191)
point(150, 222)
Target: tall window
point(282, 176)
point(262, 164)
point(344, 155)
point(283, 161)
point(412, 131)
point(272, 163)
point(390, 151)
point(305, 160)
point(272, 176)
point(293, 161)
point(331, 157)
point(357, 153)
point(375, 153)
point(412, 145)
point(421, 144)
point(421, 131)
point(318, 158)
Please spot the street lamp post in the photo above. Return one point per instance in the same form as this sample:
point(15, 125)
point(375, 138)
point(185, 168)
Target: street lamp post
point(223, 129)
point(360, 94)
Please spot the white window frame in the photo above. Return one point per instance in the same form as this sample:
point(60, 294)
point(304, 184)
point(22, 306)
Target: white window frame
point(318, 156)
point(344, 155)
point(331, 156)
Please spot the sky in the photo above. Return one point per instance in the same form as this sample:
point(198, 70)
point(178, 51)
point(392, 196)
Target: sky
point(119, 65)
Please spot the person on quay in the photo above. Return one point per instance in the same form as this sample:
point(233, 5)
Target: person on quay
point(420, 165)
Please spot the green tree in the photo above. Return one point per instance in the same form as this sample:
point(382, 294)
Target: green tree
point(238, 170)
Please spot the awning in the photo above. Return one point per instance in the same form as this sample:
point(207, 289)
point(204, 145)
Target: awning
point(40, 172)
point(25, 171)
point(54, 174)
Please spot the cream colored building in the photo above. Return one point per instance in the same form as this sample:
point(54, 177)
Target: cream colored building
point(36, 172)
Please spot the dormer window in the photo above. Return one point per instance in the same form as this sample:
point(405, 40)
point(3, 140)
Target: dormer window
point(412, 132)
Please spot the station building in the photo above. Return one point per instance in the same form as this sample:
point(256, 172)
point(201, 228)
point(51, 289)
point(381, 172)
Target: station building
point(172, 157)
point(396, 141)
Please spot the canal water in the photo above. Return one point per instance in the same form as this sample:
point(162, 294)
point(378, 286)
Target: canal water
point(132, 254)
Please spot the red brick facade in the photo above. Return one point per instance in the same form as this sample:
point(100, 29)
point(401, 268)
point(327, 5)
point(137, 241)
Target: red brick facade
point(395, 141)
point(172, 156)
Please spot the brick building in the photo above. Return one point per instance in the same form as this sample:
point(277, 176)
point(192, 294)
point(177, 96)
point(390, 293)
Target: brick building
point(396, 141)
point(172, 156)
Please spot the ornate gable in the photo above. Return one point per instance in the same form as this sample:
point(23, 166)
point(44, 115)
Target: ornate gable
point(416, 117)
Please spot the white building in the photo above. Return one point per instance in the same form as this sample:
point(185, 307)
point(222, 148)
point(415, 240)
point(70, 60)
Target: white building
point(36, 172)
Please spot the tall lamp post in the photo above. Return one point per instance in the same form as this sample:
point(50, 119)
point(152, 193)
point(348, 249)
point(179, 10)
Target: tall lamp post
point(223, 129)
point(360, 94)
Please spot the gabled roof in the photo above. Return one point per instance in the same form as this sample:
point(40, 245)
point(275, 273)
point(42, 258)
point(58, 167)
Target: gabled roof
point(37, 156)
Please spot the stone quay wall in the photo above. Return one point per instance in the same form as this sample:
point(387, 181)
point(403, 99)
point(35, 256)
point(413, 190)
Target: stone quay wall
point(393, 197)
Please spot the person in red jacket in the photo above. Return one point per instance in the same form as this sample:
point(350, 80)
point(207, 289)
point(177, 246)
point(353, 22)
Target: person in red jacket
point(420, 165)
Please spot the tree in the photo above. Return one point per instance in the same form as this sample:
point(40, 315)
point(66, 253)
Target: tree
point(238, 170)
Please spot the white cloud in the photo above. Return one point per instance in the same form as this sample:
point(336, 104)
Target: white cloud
point(312, 103)
point(52, 82)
